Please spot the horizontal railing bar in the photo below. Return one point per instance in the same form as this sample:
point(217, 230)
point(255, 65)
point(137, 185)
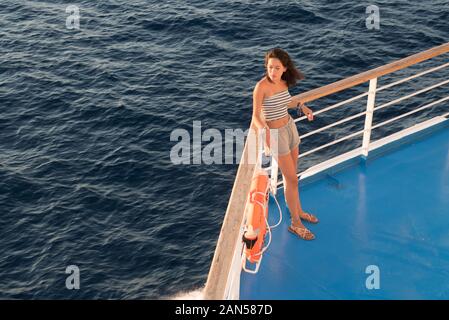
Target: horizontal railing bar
point(374, 127)
point(410, 112)
point(333, 124)
point(377, 108)
point(330, 143)
point(371, 74)
point(335, 105)
point(412, 77)
point(411, 95)
point(326, 145)
point(323, 146)
point(379, 89)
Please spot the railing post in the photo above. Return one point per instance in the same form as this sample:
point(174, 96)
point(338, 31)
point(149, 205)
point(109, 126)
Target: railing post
point(274, 176)
point(260, 140)
point(274, 164)
point(369, 116)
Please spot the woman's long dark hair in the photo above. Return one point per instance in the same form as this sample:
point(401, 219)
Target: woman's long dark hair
point(291, 75)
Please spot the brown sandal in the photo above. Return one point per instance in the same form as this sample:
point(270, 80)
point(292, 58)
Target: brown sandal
point(303, 233)
point(309, 217)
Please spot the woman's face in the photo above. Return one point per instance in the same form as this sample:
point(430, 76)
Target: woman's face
point(275, 69)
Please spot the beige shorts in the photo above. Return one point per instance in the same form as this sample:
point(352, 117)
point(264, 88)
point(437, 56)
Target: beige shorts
point(284, 139)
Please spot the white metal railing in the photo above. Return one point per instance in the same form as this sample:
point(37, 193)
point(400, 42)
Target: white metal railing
point(411, 112)
point(224, 275)
point(334, 106)
point(369, 112)
point(239, 258)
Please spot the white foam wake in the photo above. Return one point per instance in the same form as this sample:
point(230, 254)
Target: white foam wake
point(197, 294)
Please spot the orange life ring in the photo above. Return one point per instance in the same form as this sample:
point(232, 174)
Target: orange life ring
point(256, 212)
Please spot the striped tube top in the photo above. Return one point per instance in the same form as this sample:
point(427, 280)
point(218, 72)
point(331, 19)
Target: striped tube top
point(275, 107)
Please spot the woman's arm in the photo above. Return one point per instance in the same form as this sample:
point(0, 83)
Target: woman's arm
point(295, 103)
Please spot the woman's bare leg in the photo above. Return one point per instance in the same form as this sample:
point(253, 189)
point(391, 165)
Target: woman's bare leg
point(294, 154)
point(288, 169)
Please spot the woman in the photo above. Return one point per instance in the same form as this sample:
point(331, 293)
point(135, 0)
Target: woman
point(270, 102)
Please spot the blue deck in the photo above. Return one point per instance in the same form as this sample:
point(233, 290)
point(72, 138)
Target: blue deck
point(391, 212)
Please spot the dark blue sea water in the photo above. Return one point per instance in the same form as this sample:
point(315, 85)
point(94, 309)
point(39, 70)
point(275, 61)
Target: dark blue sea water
point(86, 115)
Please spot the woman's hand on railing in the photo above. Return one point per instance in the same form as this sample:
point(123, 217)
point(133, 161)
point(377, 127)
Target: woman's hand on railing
point(307, 111)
